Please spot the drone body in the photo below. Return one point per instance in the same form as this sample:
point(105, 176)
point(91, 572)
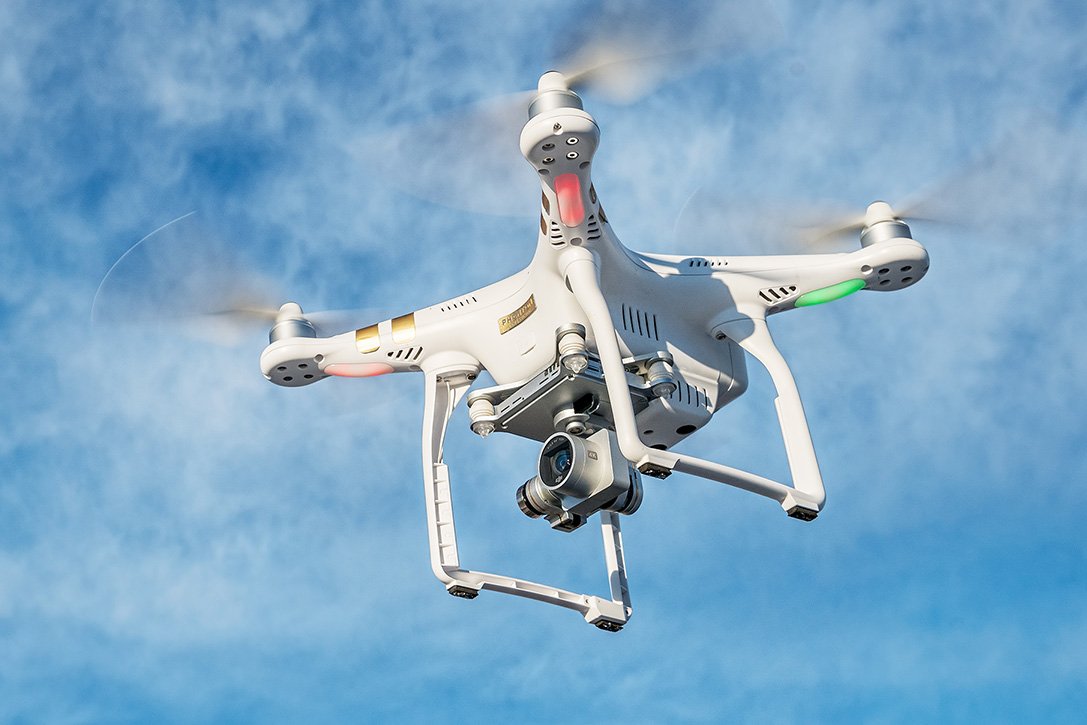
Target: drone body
point(608, 356)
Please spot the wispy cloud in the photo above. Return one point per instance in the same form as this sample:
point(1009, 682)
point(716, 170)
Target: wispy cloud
point(181, 540)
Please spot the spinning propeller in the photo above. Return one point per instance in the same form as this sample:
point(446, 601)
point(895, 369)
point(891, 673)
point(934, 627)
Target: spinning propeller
point(996, 188)
point(468, 158)
point(183, 277)
point(877, 221)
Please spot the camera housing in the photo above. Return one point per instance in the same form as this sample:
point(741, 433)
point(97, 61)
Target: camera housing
point(576, 477)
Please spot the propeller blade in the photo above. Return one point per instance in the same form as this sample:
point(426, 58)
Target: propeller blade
point(740, 225)
point(180, 268)
point(631, 48)
point(467, 159)
point(760, 228)
point(184, 278)
point(470, 159)
point(1020, 183)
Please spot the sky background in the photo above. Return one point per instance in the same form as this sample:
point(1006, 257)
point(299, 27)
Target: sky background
point(182, 541)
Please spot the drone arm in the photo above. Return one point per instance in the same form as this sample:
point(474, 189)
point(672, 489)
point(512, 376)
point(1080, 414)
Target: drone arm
point(445, 386)
point(579, 266)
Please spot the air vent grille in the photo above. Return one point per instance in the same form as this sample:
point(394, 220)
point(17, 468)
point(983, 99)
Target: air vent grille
point(594, 227)
point(457, 304)
point(702, 262)
point(776, 294)
point(690, 395)
point(640, 323)
point(411, 353)
point(556, 235)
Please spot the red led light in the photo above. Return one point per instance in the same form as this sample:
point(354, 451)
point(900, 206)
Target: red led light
point(571, 207)
point(358, 370)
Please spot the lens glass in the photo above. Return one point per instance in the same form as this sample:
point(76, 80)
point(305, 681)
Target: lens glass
point(560, 463)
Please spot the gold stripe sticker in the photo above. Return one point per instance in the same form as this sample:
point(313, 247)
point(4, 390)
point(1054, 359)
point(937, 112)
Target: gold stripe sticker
point(404, 328)
point(366, 339)
point(515, 318)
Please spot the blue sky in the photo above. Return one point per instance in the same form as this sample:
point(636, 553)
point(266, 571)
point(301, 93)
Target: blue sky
point(180, 540)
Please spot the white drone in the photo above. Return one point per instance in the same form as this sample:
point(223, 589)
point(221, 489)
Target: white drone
point(607, 356)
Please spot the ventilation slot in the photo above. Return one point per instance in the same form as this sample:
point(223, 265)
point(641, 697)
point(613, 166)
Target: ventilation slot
point(640, 323)
point(690, 395)
point(411, 353)
point(706, 262)
point(456, 304)
point(594, 228)
point(776, 294)
point(556, 235)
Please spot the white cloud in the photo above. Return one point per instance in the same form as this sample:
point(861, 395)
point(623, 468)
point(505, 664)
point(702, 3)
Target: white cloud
point(182, 534)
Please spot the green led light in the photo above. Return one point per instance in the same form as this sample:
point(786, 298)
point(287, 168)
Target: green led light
point(829, 294)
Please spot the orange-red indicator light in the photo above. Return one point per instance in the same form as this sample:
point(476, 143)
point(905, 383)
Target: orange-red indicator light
point(358, 370)
point(571, 207)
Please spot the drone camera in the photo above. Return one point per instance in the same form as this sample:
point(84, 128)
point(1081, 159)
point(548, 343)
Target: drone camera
point(576, 477)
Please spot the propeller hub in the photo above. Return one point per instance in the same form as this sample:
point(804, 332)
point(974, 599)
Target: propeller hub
point(553, 92)
point(290, 323)
point(552, 80)
point(878, 211)
point(881, 225)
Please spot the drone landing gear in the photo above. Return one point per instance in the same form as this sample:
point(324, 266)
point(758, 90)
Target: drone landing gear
point(445, 386)
point(802, 500)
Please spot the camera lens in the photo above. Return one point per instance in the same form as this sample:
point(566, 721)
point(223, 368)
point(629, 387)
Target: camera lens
point(560, 463)
point(571, 466)
point(559, 460)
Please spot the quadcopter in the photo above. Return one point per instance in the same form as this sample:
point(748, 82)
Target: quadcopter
point(607, 357)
